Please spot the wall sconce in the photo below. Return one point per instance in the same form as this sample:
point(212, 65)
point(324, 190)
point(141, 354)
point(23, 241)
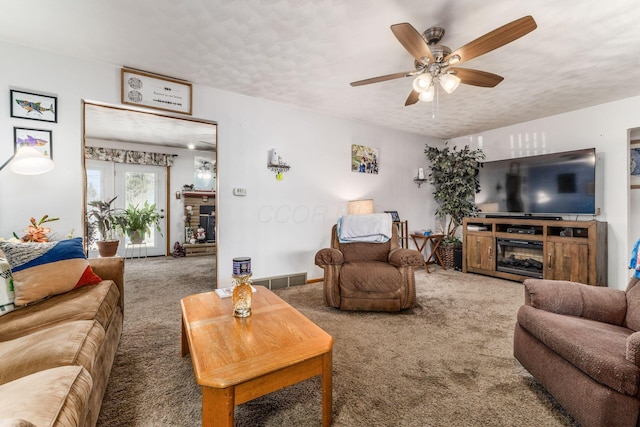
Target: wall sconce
point(420, 179)
point(276, 164)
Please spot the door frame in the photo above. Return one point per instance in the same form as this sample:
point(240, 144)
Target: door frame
point(84, 103)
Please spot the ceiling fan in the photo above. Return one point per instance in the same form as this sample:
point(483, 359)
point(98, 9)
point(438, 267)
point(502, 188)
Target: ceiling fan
point(433, 62)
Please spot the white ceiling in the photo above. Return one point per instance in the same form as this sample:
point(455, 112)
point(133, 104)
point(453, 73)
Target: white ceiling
point(306, 52)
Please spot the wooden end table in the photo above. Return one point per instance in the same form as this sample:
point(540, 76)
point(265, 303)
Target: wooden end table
point(434, 255)
point(239, 359)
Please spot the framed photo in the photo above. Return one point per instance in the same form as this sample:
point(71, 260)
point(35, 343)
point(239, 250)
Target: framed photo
point(151, 90)
point(364, 159)
point(39, 139)
point(634, 167)
point(32, 106)
point(394, 215)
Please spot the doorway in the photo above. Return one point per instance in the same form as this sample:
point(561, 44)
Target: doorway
point(149, 133)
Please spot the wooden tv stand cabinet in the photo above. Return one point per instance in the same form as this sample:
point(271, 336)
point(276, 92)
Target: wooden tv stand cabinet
point(518, 249)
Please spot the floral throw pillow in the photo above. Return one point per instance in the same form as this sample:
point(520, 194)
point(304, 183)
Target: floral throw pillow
point(6, 288)
point(40, 270)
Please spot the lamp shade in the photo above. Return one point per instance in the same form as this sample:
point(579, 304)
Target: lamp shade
point(449, 82)
point(427, 95)
point(422, 82)
point(360, 207)
point(29, 161)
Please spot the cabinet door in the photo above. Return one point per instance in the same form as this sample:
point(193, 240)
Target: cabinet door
point(480, 252)
point(567, 261)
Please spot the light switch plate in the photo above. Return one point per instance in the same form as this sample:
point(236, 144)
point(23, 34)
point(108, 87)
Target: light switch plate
point(239, 191)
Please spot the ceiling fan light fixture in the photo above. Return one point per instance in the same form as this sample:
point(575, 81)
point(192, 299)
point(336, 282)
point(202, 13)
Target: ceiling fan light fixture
point(449, 82)
point(454, 59)
point(422, 82)
point(427, 95)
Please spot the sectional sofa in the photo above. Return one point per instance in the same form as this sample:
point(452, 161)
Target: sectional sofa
point(56, 353)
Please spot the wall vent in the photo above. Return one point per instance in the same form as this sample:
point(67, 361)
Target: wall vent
point(279, 282)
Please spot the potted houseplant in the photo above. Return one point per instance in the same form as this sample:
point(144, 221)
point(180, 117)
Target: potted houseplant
point(138, 220)
point(454, 178)
point(104, 217)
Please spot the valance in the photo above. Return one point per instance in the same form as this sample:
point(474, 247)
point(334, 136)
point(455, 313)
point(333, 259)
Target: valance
point(129, 156)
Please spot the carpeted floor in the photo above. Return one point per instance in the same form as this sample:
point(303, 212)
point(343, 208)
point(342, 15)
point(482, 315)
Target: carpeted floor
point(448, 362)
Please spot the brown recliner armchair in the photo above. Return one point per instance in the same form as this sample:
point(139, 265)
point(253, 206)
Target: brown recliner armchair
point(582, 343)
point(369, 276)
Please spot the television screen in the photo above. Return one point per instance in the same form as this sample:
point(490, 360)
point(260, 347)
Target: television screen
point(558, 183)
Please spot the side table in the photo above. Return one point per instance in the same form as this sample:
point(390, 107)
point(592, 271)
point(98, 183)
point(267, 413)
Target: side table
point(434, 255)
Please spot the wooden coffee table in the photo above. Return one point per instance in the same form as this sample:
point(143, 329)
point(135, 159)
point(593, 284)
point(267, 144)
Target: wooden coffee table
point(239, 359)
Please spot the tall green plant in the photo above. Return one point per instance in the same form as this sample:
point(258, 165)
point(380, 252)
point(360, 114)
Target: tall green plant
point(454, 176)
point(104, 216)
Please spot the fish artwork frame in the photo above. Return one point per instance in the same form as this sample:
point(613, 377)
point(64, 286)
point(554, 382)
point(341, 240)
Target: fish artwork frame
point(33, 106)
point(39, 139)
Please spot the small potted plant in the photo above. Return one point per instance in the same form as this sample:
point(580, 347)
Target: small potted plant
point(104, 217)
point(454, 178)
point(138, 220)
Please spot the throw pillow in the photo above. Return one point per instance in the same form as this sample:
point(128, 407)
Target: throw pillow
point(41, 270)
point(6, 288)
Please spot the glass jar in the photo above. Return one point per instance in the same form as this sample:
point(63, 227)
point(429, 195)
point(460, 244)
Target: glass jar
point(241, 296)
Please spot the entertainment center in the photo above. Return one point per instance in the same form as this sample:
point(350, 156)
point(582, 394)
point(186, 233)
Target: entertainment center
point(520, 248)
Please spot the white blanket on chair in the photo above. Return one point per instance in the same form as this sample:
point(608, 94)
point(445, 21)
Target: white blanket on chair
point(374, 228)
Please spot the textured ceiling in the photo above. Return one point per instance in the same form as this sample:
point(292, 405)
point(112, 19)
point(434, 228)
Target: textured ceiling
point(305, 52)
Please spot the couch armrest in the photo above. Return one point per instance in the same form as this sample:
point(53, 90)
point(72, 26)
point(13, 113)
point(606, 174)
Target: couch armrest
point(576, 299)
point(406, 258)
point(633, 348)
point(111, 268)
point(329, 256)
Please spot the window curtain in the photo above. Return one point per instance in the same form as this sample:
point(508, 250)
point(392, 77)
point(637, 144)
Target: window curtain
point(129, 156)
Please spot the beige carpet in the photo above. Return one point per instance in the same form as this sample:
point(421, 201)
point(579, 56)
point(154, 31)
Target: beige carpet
point(448, 362)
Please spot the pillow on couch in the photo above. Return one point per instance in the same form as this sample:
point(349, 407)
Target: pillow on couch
point(7, 295)
point(41, 270)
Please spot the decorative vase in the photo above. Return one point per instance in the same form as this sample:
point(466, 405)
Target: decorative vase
point(241, 296)
point(107, 248)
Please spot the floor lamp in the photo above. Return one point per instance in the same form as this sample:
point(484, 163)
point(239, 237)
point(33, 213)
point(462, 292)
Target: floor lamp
point(29, 161)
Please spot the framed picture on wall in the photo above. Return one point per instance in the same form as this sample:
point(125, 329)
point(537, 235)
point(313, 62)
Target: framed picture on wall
point(39, 139)
point(394, 216)
point(634, 167)
point(146, 89)
point(32, 106)
point(364, 159)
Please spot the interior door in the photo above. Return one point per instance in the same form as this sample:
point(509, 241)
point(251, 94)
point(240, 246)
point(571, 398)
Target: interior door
point(135, 185)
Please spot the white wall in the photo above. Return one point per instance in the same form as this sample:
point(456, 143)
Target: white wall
point(605, 127)
point(279, 224)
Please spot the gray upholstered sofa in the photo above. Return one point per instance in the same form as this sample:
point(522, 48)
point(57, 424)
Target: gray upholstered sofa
point(582, 343)
point(56, 354)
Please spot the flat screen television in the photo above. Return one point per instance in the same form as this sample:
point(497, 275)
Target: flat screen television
point(548, 184)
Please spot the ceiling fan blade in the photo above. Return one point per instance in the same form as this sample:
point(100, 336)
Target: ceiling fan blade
point(381, 78)
point(495, 39)
point(412, 99)
point(477, 77)
point(411, 39)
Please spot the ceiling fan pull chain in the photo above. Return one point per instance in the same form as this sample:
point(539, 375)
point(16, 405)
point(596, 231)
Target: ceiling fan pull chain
point(434, 104)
